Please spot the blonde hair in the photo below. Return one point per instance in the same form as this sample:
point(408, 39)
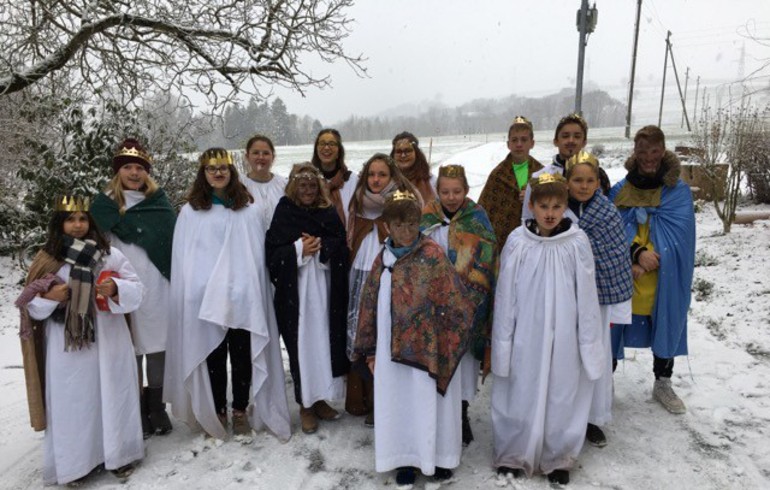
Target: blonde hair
point(323, 200)
point(114, 189)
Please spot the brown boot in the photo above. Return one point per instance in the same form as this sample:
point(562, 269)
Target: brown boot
point(241, 425)
point(355, 403)
point(324, 412)
point(308, 420)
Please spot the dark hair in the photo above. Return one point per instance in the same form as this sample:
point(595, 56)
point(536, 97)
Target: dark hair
point(260, 137)
point(201, 194)
point(53, 245)
point(572, 119)
point(316, 160)
point(420, 163)
point(651, 134)
point(402, 183)
point(540, 191)
point(401, 210)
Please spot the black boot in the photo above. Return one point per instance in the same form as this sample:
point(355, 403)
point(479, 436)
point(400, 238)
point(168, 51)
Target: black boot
point(146, 426)
point(159, 420)
point(467, 432)
point(595, 436)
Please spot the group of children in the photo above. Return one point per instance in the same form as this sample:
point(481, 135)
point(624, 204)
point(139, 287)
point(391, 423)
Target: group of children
point(393, 278)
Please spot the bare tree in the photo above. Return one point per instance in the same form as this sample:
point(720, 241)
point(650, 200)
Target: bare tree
point(120, 50)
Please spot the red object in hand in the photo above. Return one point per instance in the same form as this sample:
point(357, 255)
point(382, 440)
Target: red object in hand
point(101, 300)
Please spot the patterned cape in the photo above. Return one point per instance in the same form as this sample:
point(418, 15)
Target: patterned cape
point(473, 251)
point(430, 313)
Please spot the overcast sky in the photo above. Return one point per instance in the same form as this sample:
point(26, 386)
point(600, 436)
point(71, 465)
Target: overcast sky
point(456, 51)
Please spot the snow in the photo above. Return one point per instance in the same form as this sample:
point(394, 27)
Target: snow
point(721, 442)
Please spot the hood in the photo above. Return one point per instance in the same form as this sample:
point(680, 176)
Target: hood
point(670, 164)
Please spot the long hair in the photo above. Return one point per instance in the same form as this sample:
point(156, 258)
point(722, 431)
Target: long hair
point(53, 245)
point(402, 183)
point(201, 195)
point(421, 166)
point(323, 200)
point(115, 190)
point(316, 160)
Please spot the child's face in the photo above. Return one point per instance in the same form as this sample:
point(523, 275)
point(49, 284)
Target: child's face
point(76, 225)
point(520, 142)
point(403, 233)
point(307, 192)
point(259, 156)
point(451, 193)
point(378, 176)
point(132, 176)
point(218, 176)
point(548, 213)
point(583, 182)
point(404, 153)
point(648, 156)
point(328, 149)
point(570, 140)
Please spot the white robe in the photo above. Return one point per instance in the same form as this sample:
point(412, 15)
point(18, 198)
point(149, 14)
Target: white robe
point(313, 343)
point(468, 371)
point(346, 193)
point(266, 195)
point(413, 424)
point(219, 281)
point(92, 394)
point(149, 323)
point(546, 350)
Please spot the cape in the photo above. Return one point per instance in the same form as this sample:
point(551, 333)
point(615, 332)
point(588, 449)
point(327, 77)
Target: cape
point(431, 313)
point(149, 224)
point(672, 232)
point(473, 251)
point(500, 198)
point(289, 222)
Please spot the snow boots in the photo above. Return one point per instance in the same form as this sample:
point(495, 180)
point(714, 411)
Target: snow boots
point(156, 415)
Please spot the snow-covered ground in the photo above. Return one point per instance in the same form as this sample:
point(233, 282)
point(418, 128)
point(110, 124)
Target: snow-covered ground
point(722, 441)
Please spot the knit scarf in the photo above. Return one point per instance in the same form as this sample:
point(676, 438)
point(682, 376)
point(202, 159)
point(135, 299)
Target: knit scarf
point(369, 204)
point(83, 256)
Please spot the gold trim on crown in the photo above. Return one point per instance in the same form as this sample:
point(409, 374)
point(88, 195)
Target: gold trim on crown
point(133, 152)
point(547, 178)
point(582, 157)
point(72, 204)
point(218, 158)
point(451, 171)
point(522, 120)
point(403, 196)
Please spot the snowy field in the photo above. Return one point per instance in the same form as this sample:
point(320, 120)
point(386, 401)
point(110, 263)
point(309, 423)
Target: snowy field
point(723, 441)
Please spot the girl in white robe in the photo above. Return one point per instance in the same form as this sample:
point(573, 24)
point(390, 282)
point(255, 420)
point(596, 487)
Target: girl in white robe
point(266, 187)
point(91, 384)
point(219, 284)
point(546, 340)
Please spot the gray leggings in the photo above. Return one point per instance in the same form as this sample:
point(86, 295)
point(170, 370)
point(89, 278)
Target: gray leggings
point(156, 363)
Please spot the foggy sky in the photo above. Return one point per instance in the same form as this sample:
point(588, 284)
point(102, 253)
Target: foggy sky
point(455, 51)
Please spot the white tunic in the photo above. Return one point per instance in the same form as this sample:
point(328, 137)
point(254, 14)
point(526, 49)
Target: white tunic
point(219, 281)
point(546, 350)
point(346, 193)
point(313, 344)
point(413, 424)
point(468, 370)
point(92, 394)
point(149, 324)
point(266, 195)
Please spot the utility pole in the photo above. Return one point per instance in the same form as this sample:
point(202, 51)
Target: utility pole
point(686, 80)
point(679, 86)
point(633, 69)
point(695, 110)
point(586, 23)
point(663, 86)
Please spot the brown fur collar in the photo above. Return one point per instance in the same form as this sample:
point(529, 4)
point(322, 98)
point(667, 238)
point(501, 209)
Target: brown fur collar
point(671, 164)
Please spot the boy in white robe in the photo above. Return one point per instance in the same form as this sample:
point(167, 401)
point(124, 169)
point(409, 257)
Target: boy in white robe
point(546, 340)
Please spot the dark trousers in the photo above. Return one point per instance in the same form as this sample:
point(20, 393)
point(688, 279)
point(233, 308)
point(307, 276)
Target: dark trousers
point(662, 368)
point(238, 343)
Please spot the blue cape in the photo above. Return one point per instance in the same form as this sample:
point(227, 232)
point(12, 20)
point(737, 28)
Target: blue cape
point(672, 232)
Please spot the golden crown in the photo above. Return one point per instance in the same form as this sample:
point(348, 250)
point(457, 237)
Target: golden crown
point(452, 171)
point(72, 204)
point(217, 158)
point(522, 120)
point(134, 152)
point(403, 195)
point(546, 178)
point(582, 157)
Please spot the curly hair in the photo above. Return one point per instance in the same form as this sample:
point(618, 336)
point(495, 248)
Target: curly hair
point(323, 200)
point(201, 195)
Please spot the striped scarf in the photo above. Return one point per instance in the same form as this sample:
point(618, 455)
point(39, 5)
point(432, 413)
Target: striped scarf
point(83, 256)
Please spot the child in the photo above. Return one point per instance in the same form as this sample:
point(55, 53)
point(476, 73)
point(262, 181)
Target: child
point(307, 257)
point(463, 230)
point(570, 137)
point(546, 340)
point(411, 160)
point(598, 217)
point(266, 187)
point(415, 321)
point(80, 357)
point(221, 303)
point(137, 218)
point(503, 194)
point(329, 159)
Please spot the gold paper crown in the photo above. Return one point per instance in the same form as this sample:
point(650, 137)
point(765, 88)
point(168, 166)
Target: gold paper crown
point(582, 157)
point(72, 204)
point(133, 152)
point(546, 178)
point(452, 171)
point(403, 195)
point(218, 158)
point(521, 120)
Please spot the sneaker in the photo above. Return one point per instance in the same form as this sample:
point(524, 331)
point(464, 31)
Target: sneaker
point(560, 477)
point(324, 412)
point(241, 425)
point(369, 420)
point(664, 393)
point(441, 474)
point(405, 477)
point(308, 420)
point(595, 436)
point(123, 472)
